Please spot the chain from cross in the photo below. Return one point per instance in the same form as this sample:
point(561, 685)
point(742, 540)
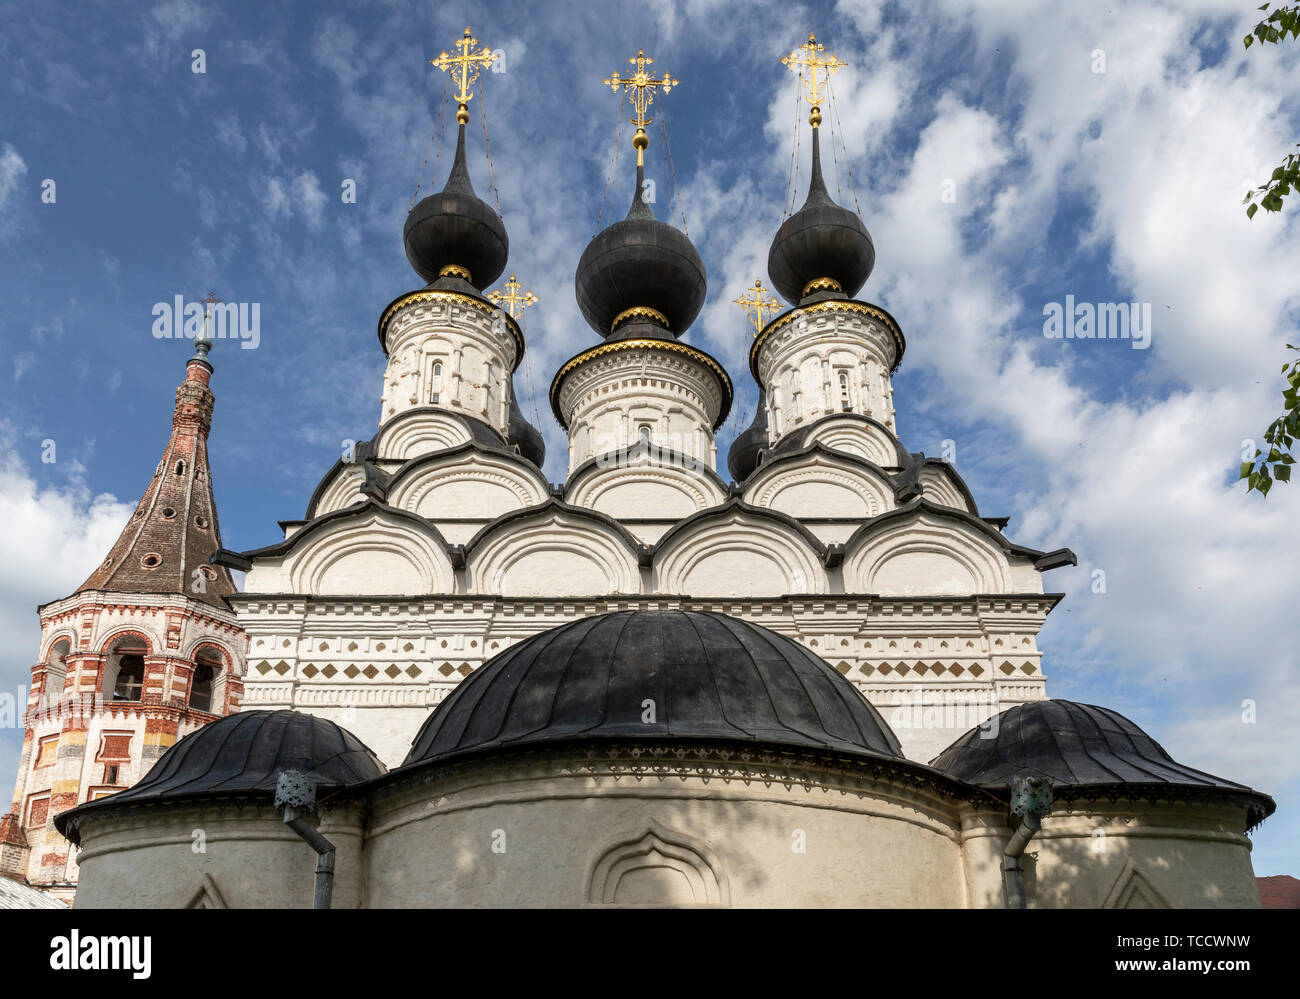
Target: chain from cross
point(466, 64)
point(641, 85)
point(805, 58)
point(513, 297)
point(758, 308)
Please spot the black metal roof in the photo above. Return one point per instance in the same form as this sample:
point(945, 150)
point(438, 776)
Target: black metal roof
point(640, 261)
point(523, 434)
point(1076, 746)
point(747, 449)
point(456, 227)
point(243, 753)
point(703, 675)
point(820, 240)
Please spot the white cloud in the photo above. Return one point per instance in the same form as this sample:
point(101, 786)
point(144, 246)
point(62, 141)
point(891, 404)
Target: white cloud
point(1135, 472)
point(228, 133)
point(52, 535)
point(170, 25)
point(23, 362)
point(276, 199)
point(310, 198)
point(12, 171)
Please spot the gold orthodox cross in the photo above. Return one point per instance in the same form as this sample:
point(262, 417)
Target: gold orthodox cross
point(805, 58)
point(513, 297)
point(464, 68)
point(758, 308)
point(641, 85)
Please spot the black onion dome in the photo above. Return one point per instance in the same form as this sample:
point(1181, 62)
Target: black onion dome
point(640, 261)
point(523, 434)
point(244, 753)
point(747, 449)
point(820, 240)
point(710, 677)
point(455, 228)
point(1076, 746)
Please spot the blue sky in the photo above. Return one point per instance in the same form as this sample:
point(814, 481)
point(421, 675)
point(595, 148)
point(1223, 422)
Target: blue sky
point(1118, 185)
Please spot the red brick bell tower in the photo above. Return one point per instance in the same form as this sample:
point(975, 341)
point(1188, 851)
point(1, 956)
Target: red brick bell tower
point(143, 653)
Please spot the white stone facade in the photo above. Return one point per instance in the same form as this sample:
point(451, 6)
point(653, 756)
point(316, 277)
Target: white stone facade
point(632, 390)
point(448, 349)
point(828, 358)
point(387, 596)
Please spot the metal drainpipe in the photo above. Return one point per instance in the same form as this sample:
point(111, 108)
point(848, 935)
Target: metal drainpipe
point(295, 796)
point(1031, 798)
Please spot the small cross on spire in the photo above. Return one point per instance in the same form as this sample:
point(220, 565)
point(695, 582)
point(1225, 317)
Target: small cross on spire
point(642, 86)
point(757, 308)
point(805, 58)
point(513, 297)
point(464, 68)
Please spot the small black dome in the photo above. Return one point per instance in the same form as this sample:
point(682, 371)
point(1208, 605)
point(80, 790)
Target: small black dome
point(820, 240)
point(1075, 745)
point(747, 449)
point(709, 676)
point(523, 434)
point(455, 228)
point(245, 752)
point(643, 262)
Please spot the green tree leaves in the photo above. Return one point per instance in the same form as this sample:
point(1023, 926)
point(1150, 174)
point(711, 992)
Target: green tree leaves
point(1281, 23)
point(1262, 470)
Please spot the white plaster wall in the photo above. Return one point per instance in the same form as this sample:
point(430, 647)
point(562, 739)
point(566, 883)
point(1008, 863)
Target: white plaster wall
point(145, 859)
point(855, 437)
point(801, 362)
point(926, 554)
point(819, 486)
point(569, 833)
point(939, 488)
point(343, 491)
point(1126, 854)
point(607, 399)
point(473, 485)
point(532, 556)
point(657, 488)
point(880, 847)
point(737, 556)
point(373, 553)
point(412, 434)
point(475, 345)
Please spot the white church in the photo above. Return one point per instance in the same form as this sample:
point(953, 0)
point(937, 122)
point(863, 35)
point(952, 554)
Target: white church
point(809, 679)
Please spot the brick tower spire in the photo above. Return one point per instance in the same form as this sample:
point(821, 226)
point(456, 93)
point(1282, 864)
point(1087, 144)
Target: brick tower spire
point(144, 652)
point(166, 545)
